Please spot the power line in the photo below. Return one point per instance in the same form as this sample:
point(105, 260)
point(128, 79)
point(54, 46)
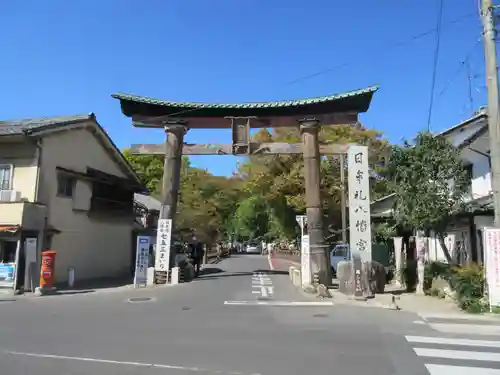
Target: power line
point(459, 69)
point(435, 62)
point(385, 49)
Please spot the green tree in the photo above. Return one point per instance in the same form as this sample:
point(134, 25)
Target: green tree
point(251, 219)
point(149, 168)
point(430, 183)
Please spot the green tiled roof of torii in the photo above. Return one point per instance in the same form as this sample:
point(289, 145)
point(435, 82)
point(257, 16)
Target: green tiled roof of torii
point(133, 104)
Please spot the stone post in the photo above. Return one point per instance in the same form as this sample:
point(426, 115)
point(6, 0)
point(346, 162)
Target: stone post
point(398, 260)
point(172, 168)
point(318, 250)
point(420, 242)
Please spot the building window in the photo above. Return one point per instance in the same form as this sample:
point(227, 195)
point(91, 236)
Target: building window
point(65, 185)
point(5, 177)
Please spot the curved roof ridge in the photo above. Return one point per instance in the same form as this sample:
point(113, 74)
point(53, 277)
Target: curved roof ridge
point(265, 104)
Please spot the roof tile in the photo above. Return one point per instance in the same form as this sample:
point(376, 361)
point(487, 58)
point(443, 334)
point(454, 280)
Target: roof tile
point(272, 104)
point(14, 127)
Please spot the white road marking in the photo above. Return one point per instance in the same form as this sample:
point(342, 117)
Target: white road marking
point(458, 354)
point(279, 303)
point(264, 283)
point(458, 316)
point(271, 267)
point(125, 363)
point(476, 329)
point(460, 370)
point(451, 341)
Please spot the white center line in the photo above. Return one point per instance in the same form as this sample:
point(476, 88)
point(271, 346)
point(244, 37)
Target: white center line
point(125, 363)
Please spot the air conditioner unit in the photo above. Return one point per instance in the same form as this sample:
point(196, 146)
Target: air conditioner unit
point(10, 196)
point(5, 195)
point(16, 196)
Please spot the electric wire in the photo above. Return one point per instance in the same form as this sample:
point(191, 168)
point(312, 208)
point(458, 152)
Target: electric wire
point(435, 63)
point(387, 48)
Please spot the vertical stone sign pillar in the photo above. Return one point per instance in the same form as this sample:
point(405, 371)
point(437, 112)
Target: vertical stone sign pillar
point(170, 189)
point(360, 233)
point(318, 249)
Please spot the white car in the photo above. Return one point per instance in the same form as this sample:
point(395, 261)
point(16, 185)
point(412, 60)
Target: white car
point(252, 248)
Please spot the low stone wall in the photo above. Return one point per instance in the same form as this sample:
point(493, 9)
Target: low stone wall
point(293, 256)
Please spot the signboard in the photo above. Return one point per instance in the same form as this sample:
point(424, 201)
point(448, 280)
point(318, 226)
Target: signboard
point(305, 261)
point(163, 238)
point(357, 267)
point(302, 221)
point(359, 203)
point(491, 241)
point(7, 274)
point(141, 261)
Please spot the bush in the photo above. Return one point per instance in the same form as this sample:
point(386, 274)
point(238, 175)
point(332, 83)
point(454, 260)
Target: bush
point(468, 283)
point(433, 270)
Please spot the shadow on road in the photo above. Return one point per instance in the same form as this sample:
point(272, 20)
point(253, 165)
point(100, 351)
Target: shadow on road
point(217, 273)
point(88, 286)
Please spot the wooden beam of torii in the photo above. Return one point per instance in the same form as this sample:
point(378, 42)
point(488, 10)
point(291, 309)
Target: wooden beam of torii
point(230, 149)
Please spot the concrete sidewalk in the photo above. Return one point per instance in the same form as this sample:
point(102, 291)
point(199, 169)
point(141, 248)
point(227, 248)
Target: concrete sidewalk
point(410, 302)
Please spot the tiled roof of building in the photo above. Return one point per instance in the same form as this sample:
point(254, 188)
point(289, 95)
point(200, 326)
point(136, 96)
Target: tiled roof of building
point(28, 126)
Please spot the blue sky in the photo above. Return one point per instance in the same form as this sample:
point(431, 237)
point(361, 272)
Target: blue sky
point(64, 57)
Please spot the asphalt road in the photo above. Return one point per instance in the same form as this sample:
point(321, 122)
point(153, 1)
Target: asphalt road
point(210, 326)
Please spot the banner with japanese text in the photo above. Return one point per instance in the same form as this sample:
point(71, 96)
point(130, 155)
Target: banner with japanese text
point(491, 241)
point(163, 239)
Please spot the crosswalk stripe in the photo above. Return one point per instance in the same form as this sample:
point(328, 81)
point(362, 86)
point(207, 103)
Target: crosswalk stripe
point(476, 329)
point(448, 341)
point(458, 354)
point(460, 370)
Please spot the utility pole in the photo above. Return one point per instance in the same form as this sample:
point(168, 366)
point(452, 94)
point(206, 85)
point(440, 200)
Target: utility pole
point(487, 17)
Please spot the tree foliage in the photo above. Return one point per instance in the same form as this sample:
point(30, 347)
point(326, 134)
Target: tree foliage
point(430, 182)
point(206, 202)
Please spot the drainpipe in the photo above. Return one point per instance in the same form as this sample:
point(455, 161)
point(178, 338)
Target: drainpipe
point(38, 144)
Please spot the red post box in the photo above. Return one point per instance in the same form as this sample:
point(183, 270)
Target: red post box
point(47, 269)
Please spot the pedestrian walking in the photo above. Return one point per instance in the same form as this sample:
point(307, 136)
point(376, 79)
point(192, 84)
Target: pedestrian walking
point(196, 255)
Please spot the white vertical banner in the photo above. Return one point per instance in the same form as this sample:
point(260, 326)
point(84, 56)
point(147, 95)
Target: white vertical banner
point(360, 241)
point(163, 238)
point(141, 261)
point(491, 241)
point(305, 251)
point(305, 264)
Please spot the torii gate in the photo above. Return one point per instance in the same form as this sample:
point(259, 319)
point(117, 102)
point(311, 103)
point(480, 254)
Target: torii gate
point(176, 118)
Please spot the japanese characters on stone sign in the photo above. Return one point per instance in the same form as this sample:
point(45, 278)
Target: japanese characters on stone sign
point(142, 261)
point(164, 232)
point(359, 202)
point(491, 240)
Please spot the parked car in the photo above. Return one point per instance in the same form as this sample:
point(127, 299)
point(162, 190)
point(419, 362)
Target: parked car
point(338, 253)
point(253, 248)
